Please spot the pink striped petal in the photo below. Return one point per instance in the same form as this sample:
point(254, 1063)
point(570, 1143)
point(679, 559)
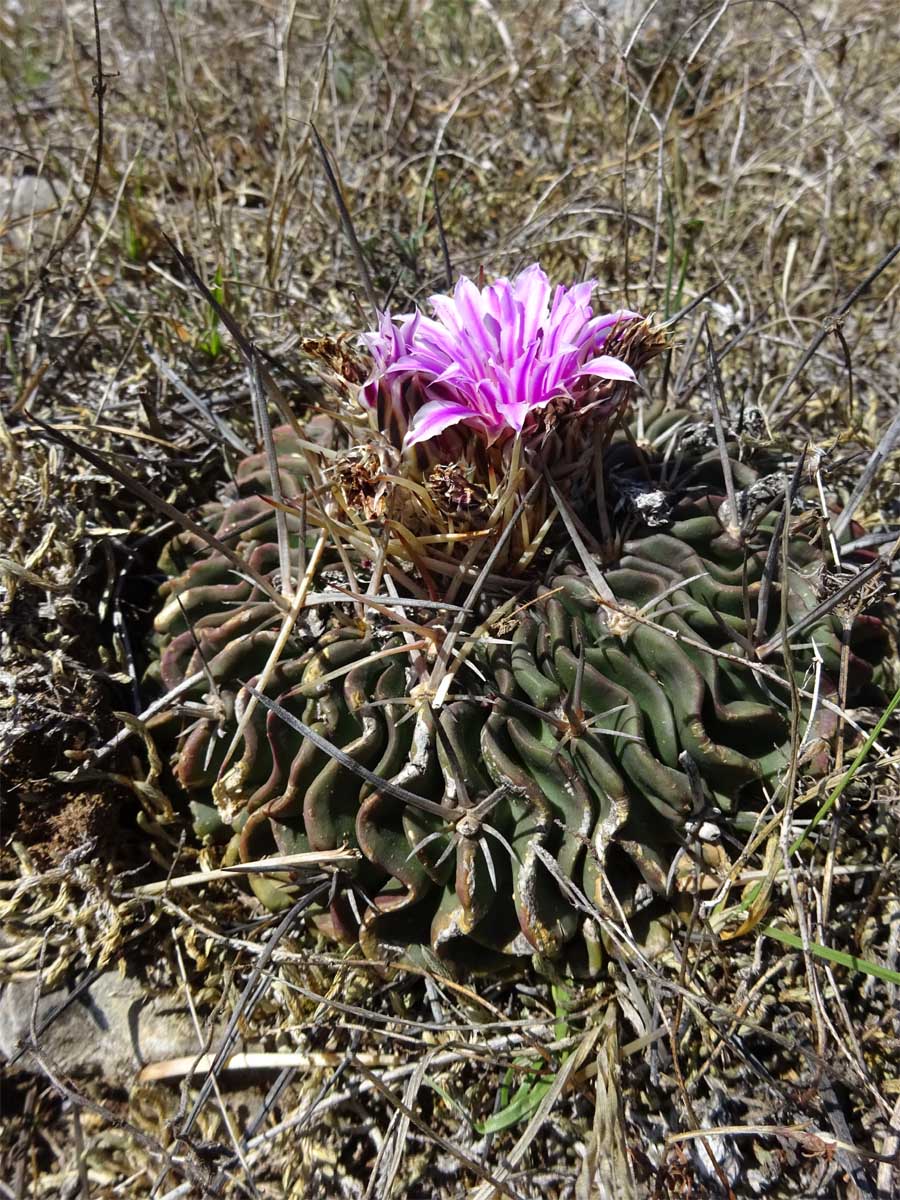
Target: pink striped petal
point(608, 367)
point(434, 417)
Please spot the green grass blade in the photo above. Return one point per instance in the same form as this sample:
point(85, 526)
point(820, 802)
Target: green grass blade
point(834, 956)
point(528, 1096)
point(840, 788)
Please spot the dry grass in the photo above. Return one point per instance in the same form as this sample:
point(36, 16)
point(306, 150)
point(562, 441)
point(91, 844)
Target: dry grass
point(747, 151)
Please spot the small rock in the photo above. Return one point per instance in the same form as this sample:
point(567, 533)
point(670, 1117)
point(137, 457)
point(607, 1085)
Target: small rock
point(651, 505)
point(30, 197)
point(112, 1029)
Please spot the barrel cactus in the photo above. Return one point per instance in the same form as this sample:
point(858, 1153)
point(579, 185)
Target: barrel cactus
point(539, 654)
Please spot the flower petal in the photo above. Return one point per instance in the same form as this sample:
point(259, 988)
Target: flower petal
point(613, 318)
point(608, 367)
point(434, 417)
point(532, 290)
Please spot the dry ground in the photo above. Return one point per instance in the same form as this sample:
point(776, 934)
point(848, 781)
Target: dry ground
point(747, 150)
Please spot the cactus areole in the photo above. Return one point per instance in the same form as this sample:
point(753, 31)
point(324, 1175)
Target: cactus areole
point(544, 654)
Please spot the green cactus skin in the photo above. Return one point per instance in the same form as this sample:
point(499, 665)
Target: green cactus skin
point(604, 739)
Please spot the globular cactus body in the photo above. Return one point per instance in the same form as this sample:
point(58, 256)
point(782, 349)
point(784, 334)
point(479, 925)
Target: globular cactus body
point(584, 737)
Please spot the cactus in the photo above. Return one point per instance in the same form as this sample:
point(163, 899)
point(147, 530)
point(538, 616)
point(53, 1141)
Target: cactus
point(522, 761)
point(597, 738)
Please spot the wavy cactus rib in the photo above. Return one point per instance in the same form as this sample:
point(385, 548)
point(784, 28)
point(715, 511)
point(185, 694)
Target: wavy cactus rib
point(582, 740)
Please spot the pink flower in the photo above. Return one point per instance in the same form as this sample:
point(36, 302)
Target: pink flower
point(491, 357)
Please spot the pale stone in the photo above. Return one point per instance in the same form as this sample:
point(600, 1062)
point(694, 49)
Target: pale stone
point(112, 1029)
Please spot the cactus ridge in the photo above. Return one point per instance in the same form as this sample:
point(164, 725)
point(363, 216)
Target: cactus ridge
point(583, 741)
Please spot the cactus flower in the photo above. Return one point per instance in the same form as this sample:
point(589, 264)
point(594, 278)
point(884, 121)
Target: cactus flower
point(490, 357)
